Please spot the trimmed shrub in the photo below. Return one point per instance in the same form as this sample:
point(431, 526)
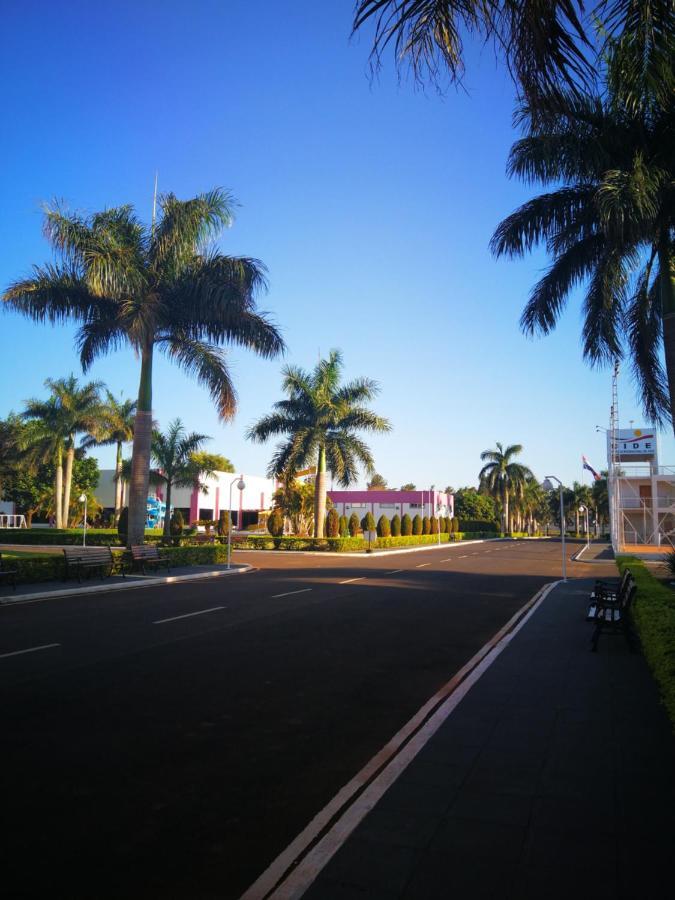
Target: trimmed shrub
point(396, 526)
point(275, 523)
point(224, 522)
point(476, 525)
point(343, 526)
point(426, 525)
point(368, 522)
point(406, 526)
point(354, 525)
point(433, 521)
point(454, 525)
point(417, 524)
point(176, 526)
point(383, 527)
point(123, 525)
point(332, 523)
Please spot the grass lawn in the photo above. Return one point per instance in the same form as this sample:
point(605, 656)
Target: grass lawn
point(27, 554)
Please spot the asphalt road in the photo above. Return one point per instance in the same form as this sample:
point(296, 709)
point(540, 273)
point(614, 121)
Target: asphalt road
point(171, 741)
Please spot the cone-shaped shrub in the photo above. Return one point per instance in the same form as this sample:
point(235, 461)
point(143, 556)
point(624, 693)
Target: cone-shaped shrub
point(332, 523)
point(354, 525)
point(433, 521)
point(383, 527)
point(417, 524)
point(123, 524)
point(426, 525)
point(224, 522)
point(445, 525)
point(176, 523)
point(344, 526)
point(454, 524)
point(368, 522)
point(275, 523)
point(396, 526)
point(406, 526)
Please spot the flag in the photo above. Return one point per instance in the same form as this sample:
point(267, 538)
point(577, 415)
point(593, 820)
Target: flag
point(590, 469)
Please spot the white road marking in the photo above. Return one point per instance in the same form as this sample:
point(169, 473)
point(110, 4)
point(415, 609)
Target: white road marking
point(393, 572)
point(463, 557)
point(29, 650)
point(199, 612)
point(350, 580)
point(449, 559)
point(422, 565)
point(290, 593)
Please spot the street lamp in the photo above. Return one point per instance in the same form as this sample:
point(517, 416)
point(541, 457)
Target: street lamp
point(241, 484)
point(83, 499)
point(584, 509)
point(547, 486)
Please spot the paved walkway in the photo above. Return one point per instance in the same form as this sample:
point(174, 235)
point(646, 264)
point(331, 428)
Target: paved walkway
point(553, 778)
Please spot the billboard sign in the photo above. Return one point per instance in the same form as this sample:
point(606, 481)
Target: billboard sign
point(636, 444)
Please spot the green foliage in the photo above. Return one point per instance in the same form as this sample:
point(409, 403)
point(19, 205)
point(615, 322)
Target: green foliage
point(224, 522)
point(202, 461)
point(332, 523)
point(383, 527)
point(396, 526)
point(296, 500)
point(409, 486)
point(344, 527)
point(368, 522)
point(377, 483)
point(417, 525)
point(275, 522)
point(426, 525)
point(653, 614)
point(354, 525)
point(433, 522)
point(176, 525)
point(123, 525)
point(476, 525)
point(406, 526)
point(470, 504)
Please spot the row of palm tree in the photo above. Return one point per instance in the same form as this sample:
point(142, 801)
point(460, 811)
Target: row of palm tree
point(159, 287)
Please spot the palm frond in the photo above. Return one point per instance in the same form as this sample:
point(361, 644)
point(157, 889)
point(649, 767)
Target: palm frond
point(184, 227)
point(537, 219)
point(207, 363)
point(54, 294)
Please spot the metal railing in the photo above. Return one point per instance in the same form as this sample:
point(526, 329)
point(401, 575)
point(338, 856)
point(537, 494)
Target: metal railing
point(11, 521)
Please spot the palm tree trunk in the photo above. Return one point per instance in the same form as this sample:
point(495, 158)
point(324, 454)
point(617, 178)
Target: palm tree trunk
point(320, 494)
point(167, 514)
point(67, 483)
point(118, 484)
point(58, 488)
point(506, 512)
point(667, 286)
point(140, 460)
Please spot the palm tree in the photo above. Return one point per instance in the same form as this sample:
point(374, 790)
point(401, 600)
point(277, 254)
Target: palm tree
point(409, 486)
point(173, 455)
point(546, 45)
point(377, 483)
point(116, 426)
point(152, 288)
point(321, 419)
point(607, 223)
point(502, 478)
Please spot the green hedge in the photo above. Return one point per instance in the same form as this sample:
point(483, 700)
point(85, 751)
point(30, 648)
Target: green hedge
point(482, 525)
point(34, 569)
point(48, 537)
point(654, 619)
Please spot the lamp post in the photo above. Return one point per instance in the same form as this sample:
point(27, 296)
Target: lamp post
point(241, 484)
point(584, 509)
point(547, 486)
point(83, 499)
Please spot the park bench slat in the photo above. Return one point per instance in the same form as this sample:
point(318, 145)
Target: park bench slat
point(148, 555)
point(84, 559)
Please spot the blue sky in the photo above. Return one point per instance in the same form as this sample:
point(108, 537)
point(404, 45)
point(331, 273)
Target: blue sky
point(370, 202)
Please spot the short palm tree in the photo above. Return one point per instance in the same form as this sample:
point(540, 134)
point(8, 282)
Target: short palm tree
point(116, 426)
point(158, 288)
point(607, 222)
point(503, 478)
point(321, 419)
point(70, 410)
point(172, 454)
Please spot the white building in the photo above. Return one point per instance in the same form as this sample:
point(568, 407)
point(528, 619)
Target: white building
point(390, 503)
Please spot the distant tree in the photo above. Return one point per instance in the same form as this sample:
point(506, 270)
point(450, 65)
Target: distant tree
point(332, 523)
point(114, 426)
point(354, 525)
point(409, 486)
point(172, 453)
point(296, 501)
point(211, 462)
point(417, 524)
point(470, 504)
point(504, 478)
point(275, 523)
point(377, 483)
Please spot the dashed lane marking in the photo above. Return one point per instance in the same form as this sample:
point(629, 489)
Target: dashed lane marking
point(422, 565)
point(393, 572)
point(350, 580)
point(200, 612)
point(28, 650)
point(290, 593)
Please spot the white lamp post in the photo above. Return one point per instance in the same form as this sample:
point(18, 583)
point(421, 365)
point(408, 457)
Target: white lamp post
point(584, 509)
point(241, 484)
point(83, 499)
point(547, 486)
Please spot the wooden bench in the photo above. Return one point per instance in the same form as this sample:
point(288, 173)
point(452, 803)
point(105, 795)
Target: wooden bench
point(86, 559)
point(8, 574)
point(612, 616)
point(148, 555)
point(203, 538)
point(609, 592)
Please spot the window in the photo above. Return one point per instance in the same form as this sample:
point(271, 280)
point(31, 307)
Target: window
point(415, 505)
point(359, 505)
point(387, 506)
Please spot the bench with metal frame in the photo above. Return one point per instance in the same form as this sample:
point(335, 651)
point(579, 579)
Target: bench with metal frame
point(613, 617)
point(148, 555)
point(81, 560)
point(609, 593)
point(8, 574)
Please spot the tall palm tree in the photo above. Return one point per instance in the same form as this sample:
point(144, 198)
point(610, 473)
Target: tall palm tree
point(503, 478)
point(116, 426)
point(607, 222)
point(547, 45)
point(45, 443)
point(152, 288)
point(321, 418)
point(173, 455)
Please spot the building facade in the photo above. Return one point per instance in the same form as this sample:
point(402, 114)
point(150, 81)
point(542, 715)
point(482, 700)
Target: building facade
point(391, 503)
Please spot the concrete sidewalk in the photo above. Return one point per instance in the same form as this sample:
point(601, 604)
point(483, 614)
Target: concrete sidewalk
point(553, 778)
